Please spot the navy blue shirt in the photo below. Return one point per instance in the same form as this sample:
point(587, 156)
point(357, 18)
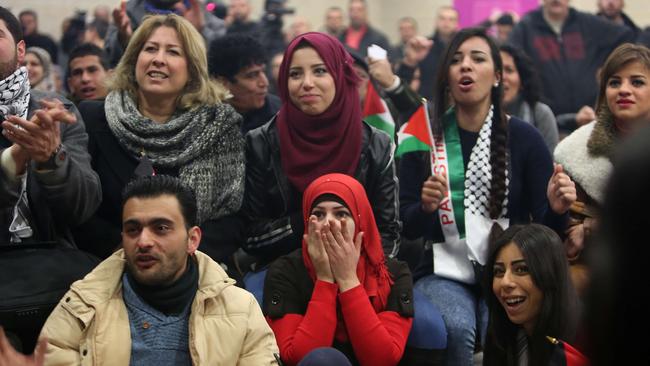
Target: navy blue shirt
point(530, 169)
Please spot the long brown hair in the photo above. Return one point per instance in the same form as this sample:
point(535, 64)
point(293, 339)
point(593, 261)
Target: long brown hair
point(623, 55)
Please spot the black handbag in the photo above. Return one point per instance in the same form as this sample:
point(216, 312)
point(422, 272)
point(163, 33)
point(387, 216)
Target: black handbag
point(32, 281)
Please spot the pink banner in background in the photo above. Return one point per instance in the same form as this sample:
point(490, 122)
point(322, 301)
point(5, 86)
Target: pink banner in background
point(472, 12)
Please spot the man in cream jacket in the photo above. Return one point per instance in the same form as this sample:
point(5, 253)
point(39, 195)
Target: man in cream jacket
point(158, 301)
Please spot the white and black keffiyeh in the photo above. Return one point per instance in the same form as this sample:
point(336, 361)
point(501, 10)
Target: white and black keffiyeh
point(14, 94)
point(14, 101)
point(478, 176)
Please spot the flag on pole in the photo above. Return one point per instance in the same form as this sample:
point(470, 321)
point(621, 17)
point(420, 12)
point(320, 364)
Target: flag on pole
point(376, 113)
point(415, 135)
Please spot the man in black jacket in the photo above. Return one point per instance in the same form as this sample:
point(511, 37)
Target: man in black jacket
point(567, 47)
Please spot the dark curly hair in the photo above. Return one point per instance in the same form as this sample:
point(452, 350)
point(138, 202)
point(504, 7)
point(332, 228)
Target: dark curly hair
point(230, 54)
point(531, 87)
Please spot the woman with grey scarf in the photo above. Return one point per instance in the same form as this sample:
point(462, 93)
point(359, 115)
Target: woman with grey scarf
point(164, 115)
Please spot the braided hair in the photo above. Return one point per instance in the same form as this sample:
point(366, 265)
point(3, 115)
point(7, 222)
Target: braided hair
point(499, 134)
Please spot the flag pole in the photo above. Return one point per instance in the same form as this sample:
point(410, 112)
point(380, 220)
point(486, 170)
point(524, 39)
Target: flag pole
point(433, 148)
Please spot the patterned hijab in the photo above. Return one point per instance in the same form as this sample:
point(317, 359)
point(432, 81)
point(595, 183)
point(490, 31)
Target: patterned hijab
point(371, 269)
point(313, 145)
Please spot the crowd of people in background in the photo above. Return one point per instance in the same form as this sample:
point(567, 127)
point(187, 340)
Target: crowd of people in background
point(232, 190)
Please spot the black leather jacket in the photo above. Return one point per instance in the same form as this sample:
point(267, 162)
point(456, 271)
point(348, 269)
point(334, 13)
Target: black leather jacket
point(273, 206)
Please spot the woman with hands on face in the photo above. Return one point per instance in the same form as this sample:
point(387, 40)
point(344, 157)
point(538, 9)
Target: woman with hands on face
point(339, 291)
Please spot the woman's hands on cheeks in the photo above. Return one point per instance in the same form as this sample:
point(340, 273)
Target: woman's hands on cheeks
point(343, 251)
point(317, 252)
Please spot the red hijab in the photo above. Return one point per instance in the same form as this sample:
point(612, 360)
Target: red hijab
point(371, 269)
point(330, 142)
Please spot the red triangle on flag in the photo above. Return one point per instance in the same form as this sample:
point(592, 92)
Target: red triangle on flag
point(417, 126)
point(372, 104)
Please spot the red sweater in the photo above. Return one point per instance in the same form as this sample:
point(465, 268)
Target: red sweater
point(376, 338)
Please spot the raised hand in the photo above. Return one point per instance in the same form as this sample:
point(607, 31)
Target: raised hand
point(381, 71)
point(343, 251)
point(123, 24)
point(416, 50)
point(194, 14)
point(317, 252)
point(561, 191)
point(434, 190)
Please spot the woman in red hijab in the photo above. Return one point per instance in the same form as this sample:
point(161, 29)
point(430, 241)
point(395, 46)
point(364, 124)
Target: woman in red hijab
point(339, 291)
point(318, 130)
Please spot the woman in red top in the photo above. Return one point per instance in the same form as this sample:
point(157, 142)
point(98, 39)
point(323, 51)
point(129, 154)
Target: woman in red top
point(339, 290)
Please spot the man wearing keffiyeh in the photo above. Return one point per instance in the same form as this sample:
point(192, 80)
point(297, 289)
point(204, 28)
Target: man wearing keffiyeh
point(46, 182)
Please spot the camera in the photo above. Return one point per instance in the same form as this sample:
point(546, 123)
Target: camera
point(274, 9)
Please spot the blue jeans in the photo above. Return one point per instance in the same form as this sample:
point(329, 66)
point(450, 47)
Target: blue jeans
point(463, 311)
point(428, 330)
point(254, 283)
point(325, 356)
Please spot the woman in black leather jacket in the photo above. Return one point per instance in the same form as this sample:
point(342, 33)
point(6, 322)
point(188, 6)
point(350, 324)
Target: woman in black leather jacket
point(318, 130)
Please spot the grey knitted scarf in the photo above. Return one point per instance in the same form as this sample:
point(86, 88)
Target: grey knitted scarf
point(203, 143)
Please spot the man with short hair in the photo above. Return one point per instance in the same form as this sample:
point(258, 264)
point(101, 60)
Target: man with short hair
point(102, 13)
point(613, 11)
point(567, 47)
point(87, 72)
point(333, 22)
point(360, 35)
point(238, 61)
point(29, 22)
point(425, 55)
point(408, 28)
point(158, 300)
point(46, 182)
point(47, 185)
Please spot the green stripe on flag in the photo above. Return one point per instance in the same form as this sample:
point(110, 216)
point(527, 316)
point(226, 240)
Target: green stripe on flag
point(410, 144)
point(377, 122)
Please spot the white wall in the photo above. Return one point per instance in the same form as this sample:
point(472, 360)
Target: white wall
point(384, 14)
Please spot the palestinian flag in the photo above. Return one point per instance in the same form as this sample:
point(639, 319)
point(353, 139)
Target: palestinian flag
point(376, 113)
point(415, 135)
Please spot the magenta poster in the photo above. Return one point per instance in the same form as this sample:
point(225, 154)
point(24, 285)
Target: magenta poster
point(473, 12)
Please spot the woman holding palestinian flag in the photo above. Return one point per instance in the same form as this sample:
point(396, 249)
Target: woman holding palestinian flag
point(481, 168)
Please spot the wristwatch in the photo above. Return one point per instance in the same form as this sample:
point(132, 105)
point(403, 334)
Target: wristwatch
point(56, 159)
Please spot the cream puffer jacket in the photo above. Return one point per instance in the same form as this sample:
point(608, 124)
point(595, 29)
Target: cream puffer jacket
point(90, 325)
